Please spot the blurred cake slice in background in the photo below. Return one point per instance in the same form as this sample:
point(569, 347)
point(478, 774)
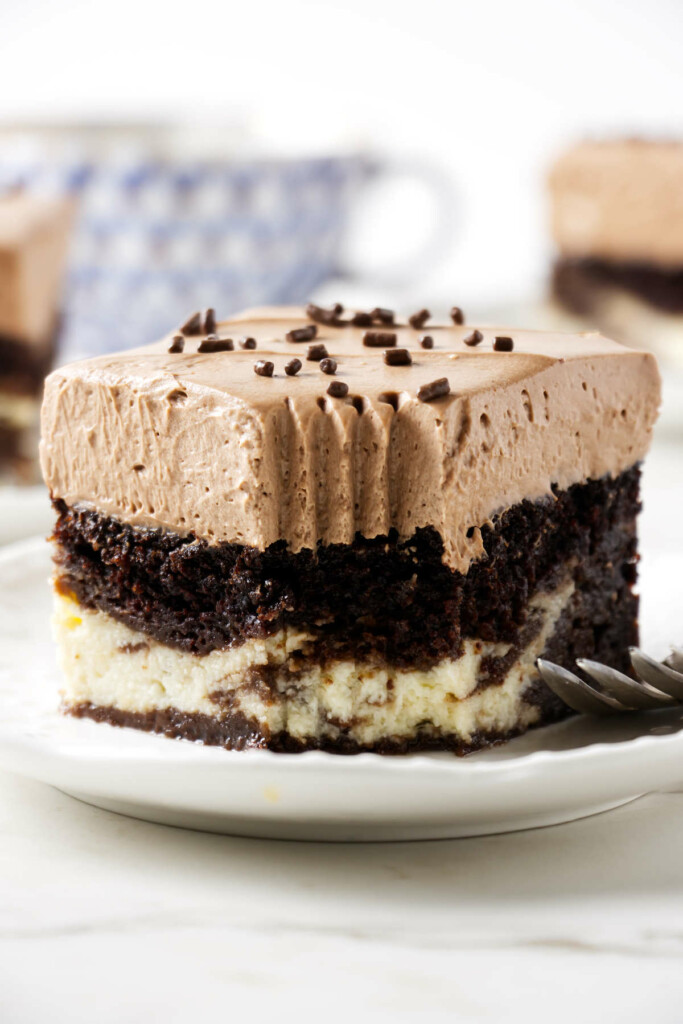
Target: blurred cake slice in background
point(34, 237)
point(617, 222)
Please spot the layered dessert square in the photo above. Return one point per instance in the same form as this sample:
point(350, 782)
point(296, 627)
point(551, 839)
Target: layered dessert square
point(617, 222)
point(303, 529)
point(34, 235)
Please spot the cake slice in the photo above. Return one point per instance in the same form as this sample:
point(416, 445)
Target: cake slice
point(307, 529)
point(34, 234)
point(617, 221)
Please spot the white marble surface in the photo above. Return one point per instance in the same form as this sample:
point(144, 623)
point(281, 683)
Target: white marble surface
point(107, 919)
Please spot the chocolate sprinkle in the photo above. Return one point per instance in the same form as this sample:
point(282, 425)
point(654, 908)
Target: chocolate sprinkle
point(437, 389)
point(383, 316)
point(193, 325)
point(248, 343)
point(178, 343)
point(302, 333)
point(379, 339)
point(328, 365)
point(210, 321)
point(418, 320)
point(316, 353)
point(503, 344)
point(293, 367)
point(263, 368)
point(328, 317)
point(397, 357)
point(457, 315)
point(473, 339)
point(216, 344)
point(361, 320)
point(338, 389)
point(427, 341)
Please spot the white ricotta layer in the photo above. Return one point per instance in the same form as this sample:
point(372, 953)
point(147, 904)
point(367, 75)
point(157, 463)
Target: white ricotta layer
point(107, 664)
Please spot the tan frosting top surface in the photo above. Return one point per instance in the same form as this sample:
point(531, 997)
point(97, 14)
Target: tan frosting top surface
point(199, 443)
point(620, 200)
point(34, 238)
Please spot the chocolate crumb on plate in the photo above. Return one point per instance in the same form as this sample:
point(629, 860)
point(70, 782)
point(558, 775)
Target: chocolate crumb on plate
point(502, 343)
point(178, 343)
point(193, 325)
point(427, 341)
point(474, 338)
point(397, 357)
point(293, 367)
point(328, 365)
point(316, 353)
point(379, 339)
point(248, 343)
point(302, 333)
point(210, 321)
point(338, 389)
point(457, 315)
point(264, 368)
point(436, 389)
point(215, 344)
point(419, 319)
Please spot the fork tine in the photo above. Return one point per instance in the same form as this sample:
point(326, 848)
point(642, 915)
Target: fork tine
point(675, 659)
point(660, 676)
point(632, 694)
point(577, 694)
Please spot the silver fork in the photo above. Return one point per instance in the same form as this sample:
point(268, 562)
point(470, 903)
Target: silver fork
point(659, 684)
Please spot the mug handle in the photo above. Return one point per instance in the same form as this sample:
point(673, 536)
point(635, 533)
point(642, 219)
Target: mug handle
point(404, 272)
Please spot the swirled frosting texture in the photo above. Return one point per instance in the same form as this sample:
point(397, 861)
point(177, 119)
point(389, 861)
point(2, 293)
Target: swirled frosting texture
point(198, 443)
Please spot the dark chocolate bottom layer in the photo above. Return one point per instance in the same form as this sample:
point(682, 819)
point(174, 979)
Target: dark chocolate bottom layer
point(379, 601)
point(579, 284)
point(238, 732)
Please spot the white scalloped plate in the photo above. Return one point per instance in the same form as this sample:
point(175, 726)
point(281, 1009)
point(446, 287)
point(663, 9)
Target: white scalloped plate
point(567, 771)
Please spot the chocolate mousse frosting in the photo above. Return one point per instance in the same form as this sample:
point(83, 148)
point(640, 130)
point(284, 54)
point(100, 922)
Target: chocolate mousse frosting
point(201, 443)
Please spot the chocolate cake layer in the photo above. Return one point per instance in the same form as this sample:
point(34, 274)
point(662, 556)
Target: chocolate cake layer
point(238, 732)
point(578, 284)
point(377, 599)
